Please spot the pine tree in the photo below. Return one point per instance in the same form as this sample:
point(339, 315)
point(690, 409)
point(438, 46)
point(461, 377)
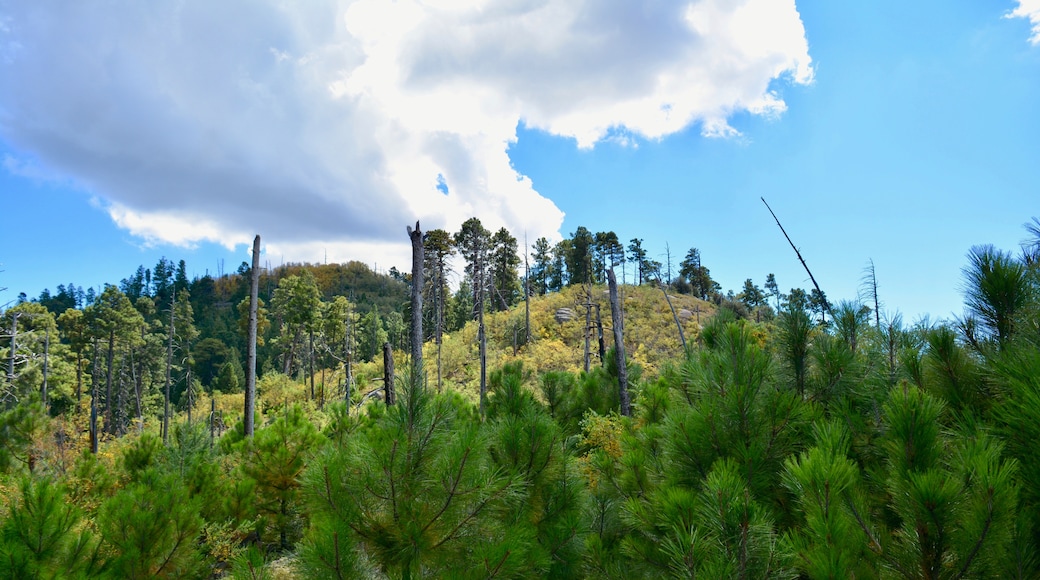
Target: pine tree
point(541, 270)
point(274, 459)
point(42, 535)
point(297, 302)
point(416, 491)
point(637, 254)
point(150, 528)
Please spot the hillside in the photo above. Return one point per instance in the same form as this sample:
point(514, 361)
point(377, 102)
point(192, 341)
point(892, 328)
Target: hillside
point(651, 337)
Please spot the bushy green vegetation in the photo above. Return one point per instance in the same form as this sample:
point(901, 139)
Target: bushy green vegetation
point(776, 445)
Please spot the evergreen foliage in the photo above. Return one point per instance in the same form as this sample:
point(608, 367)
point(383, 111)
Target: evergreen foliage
point(786, 445)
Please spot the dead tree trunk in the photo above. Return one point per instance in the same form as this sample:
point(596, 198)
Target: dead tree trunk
point(682, 336)
point(190, 393)
point(137, 379)
point(482, 340)
point(120, 415)
point(93, 424)
point(79, 373)
point(347, 379)
point(93, 400)
point(826, 306)
point(169, 369)
point(417, 301)
point(527, 298)
point(14, 349)
point(599, 335)
point(109, 423)
point(212, 419)
point(254, 289)
point(46, 354)
point(440, 324)
point(873, 290)
point(588, 324)
point(389, 392)
point(619, 345)
point(310, 358)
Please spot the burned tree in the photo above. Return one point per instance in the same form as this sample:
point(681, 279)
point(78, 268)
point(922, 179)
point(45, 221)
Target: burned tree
point(416, 237)
point(254, 288)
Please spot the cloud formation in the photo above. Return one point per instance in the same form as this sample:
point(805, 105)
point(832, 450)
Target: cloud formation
point(1030, 10)
point(331, 125)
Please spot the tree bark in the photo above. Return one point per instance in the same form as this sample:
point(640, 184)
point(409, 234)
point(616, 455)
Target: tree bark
point(79, 374)
point(93, 423)
point(109, 424)
point(599, 335)
point(440, 320)
point(190, 392)
point(417, 302)
point(826, 307)
point(527, 298)
point(254, 289)
point(46, 354)
point(169, 369)
point(347, 379)
point(678, 324)
point(93, 400)
point(588, 325)
point(212, 419)
point(310, 359)
point(119, 417)
point(482, 338)
point(619, 345)
point(14, 348)
point(389, 393)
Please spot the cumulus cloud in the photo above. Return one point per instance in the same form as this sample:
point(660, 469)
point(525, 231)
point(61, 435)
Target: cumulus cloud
point(1030, 10)
point(331, 124)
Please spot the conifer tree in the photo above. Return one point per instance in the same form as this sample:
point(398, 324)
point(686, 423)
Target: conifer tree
point(954, 499)
point(438, 248)
point(473, 242)
point(297, 302)
point(503, 263)
point(832, 541)
point(541, 270)
point(275, 459)
point(637, 254)
point(998, 290)
point(150, 528)
point(416, 491)
point(42, 536)
point(117, 322)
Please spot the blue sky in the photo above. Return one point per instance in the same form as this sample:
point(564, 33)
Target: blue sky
point(902, 133)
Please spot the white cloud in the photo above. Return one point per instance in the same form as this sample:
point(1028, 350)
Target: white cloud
point(331, 124)
point(1030, 10)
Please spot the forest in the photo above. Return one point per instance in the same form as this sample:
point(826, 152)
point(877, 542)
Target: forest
point(568, 410)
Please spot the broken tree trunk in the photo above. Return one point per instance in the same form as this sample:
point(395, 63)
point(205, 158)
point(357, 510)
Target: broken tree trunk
point(14, 349)
point(417, 288)
point(389, 394)
point(599, 336)
point(619, 344)
point(588, 324)
point(254, 290)
point(169, 367)
point(682, 336)
point(826, 306)
point(46, 355)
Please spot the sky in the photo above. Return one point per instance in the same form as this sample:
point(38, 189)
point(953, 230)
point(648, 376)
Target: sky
point(892, 133)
